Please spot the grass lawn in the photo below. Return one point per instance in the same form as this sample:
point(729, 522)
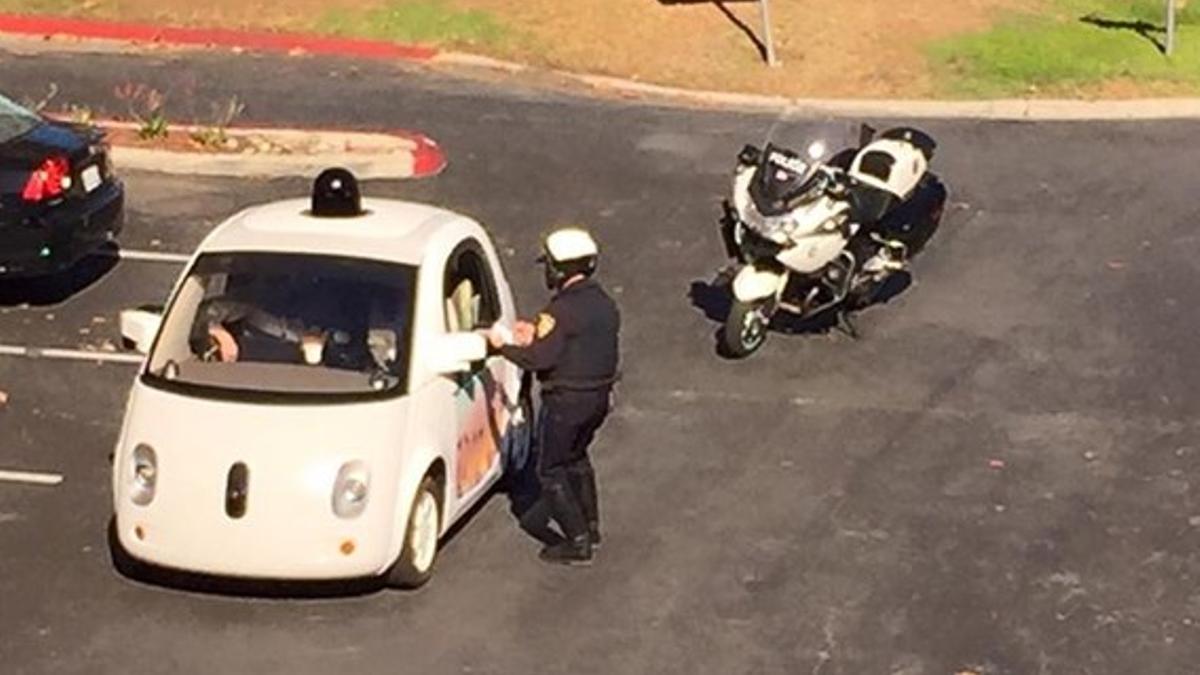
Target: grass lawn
point(429, 21)
point(1107, 47)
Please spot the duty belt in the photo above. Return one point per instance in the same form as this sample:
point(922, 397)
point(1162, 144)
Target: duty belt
point(564, 384)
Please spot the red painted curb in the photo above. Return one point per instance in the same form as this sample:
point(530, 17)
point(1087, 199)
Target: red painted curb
point(428, 158)
point(259, 41)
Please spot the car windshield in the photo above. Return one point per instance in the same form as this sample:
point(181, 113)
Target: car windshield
point(288, 324)
point(14, 120)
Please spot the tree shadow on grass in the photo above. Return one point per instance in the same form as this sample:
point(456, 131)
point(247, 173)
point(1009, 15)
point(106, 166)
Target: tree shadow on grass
point(758, 43)
point(1155, 33)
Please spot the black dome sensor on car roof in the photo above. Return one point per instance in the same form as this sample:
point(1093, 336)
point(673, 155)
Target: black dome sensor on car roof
point(335, 195)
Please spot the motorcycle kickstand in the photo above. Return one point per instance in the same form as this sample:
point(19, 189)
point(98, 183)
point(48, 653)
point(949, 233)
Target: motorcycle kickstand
point(845, 324)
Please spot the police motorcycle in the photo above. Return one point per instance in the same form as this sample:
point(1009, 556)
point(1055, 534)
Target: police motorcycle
point(816, 233)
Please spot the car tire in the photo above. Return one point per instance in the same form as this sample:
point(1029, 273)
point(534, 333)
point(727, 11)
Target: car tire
point(745, 330)
point(418, 554)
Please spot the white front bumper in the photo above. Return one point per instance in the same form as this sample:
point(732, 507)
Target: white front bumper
point(299, 549)
point(291, 455)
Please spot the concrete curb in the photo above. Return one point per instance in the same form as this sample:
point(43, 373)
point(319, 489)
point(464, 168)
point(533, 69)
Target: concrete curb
point(476, 61)
point(368, 155)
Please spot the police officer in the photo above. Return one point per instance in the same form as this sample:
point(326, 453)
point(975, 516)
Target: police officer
point(573, 348)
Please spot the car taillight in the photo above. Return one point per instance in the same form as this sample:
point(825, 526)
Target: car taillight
point(48, 181)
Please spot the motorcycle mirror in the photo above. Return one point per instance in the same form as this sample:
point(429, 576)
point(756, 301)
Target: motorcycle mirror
point(816, 150)
point(749, 155)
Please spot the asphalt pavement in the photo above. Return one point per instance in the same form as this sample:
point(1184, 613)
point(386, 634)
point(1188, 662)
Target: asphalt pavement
point(995, 479)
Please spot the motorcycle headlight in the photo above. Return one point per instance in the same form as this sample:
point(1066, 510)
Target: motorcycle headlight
point(777, 228)
point(143, 474)
point(351, 490)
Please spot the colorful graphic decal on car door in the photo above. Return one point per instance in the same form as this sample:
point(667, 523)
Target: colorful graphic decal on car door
point(483, 421)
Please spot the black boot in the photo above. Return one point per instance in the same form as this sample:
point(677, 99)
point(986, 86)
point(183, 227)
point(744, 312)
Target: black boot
point(535, 521)
point(577, 552)
point(564, 507)
point(583, 483)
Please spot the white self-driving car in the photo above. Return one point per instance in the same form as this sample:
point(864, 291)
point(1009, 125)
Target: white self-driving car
point(315, 401)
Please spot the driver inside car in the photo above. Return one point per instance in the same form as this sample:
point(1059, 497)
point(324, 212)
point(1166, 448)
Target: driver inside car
point(318, 331)
point(230, 330)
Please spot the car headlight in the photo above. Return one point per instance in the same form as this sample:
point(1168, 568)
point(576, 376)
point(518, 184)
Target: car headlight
point(143, 474)
point(351, 490)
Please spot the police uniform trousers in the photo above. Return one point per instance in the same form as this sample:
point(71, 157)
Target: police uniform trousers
point(567, 424)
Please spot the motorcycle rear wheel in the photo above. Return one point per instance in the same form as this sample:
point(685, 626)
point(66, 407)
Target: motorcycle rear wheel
point(745, 330)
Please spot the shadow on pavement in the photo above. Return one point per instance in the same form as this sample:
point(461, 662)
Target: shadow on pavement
point(524, 492)
point(139, 571)
point(715, 298)
point(58, 287)
point(522, 489)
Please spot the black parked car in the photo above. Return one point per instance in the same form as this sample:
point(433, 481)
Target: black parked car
point(59, 199)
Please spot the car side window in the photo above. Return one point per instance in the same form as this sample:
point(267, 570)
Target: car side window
point(471, 300)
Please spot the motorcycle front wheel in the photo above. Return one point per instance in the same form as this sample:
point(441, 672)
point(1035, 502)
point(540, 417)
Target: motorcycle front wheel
point(745, 330)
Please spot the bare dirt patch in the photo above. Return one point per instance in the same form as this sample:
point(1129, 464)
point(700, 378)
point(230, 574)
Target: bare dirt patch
point(840, 49)
point(283, 14)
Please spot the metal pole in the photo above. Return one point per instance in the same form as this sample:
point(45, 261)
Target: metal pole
point(770, 42)
point(1170, 27)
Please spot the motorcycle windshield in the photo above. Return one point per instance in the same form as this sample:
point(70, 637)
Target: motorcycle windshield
point(795, 149)
point(784, 181)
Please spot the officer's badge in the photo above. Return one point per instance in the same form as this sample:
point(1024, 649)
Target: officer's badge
point(545, 325)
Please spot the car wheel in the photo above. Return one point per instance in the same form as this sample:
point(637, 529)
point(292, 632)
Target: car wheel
point(414, 567)
point(745, 330)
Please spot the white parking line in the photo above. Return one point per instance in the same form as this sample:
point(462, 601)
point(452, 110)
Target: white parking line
point(31, 477)
point(69, 354)
point(146, 256)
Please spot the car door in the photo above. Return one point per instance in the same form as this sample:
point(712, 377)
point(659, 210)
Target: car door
point(482, 398)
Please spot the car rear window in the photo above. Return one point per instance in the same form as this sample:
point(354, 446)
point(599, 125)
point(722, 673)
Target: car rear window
point(14, 120)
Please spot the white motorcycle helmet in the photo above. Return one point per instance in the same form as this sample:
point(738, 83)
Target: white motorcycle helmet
point(568, 252)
